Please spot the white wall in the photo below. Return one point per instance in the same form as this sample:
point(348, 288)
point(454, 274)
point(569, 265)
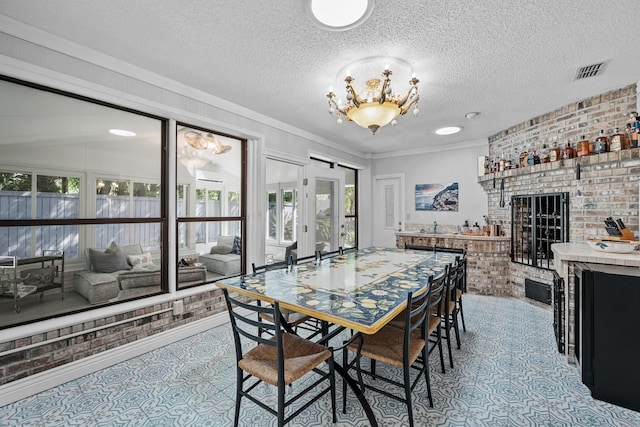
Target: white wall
point(443, 167)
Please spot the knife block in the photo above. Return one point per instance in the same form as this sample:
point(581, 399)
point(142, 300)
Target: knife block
point(625, 234)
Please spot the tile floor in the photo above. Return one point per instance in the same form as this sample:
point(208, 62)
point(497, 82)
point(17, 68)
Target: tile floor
point(506, 374)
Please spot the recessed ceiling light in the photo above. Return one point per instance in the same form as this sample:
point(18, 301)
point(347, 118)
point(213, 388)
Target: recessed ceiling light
point(121, 132)
point(472, 115)
point(339, 15)
point(449, 130)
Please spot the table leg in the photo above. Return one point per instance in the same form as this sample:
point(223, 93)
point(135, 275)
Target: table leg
point(353, 384)
point(358, 392)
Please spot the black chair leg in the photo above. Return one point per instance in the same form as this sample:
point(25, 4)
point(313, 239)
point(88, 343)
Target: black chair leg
point(464, 327)
point(332, 381)
point(441, 351)
point(281, 391)
point(447, 329)
point(345, 365)
point(456, 330)
point(407, 392)
point(239, 384)
point(427, 377)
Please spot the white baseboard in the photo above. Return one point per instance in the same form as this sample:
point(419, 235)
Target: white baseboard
point(42, 381)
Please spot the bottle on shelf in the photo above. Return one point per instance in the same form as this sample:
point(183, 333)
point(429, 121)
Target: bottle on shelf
point(544, 155)
point(531, 158)
point(522, 161)
point(515, 159)
point(555, 153)
point(569, 152)
point(583, 147)
point(618, 141)
point(635, 128)
point(601, 144)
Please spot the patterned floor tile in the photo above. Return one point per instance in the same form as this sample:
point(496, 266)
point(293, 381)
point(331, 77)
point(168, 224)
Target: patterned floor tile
point(507, 373)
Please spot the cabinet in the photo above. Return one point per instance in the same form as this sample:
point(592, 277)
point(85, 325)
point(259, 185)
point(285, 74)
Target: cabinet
point(607, 322)
point(537, 222)
point(47, 273)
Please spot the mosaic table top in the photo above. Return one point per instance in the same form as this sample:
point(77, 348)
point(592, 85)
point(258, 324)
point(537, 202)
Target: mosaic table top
point(360, 290)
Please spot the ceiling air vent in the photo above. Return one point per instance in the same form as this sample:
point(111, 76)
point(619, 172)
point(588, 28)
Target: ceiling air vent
point(589, 71)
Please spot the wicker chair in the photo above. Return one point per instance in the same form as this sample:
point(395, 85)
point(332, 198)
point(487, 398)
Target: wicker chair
point(279, 361)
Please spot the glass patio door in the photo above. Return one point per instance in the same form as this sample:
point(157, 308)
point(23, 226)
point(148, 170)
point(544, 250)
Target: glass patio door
point(325, 214)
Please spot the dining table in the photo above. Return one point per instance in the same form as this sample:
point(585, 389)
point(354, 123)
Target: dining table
point(361, 290)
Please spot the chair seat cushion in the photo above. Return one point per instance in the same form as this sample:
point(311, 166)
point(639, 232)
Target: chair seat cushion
point(300, 356)
point(387, 345)
point(293, 318)
point(434, 322)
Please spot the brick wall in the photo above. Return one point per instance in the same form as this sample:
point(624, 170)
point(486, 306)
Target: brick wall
point(609, 182)
point(117, 331)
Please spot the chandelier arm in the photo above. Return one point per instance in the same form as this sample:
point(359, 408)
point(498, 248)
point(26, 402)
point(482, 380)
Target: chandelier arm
point(411, 93)
point(412, 99)
point(383, 92)
point(355, 99)
point(332, 103)
point(385, 85)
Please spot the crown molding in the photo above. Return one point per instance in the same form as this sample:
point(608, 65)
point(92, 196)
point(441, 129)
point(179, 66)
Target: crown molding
point(484, 142)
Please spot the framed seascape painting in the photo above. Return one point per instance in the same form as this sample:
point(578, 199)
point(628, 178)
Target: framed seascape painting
point(437, 197)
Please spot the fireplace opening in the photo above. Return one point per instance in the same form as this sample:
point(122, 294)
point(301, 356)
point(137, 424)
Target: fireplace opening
point(537, 291)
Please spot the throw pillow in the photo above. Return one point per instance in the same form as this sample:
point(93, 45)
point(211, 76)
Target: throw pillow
point(113, 247)
point(108, 261)
point(220, 249)
point(145, 258)
point(237, 246)
point(225, 241)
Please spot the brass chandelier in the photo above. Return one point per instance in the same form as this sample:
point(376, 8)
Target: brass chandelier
point(377, 105)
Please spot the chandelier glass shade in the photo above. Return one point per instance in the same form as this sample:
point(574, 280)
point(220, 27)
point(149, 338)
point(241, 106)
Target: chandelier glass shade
point(376, 105)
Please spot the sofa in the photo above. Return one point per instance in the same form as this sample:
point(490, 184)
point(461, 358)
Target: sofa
point(224, 258)
point(125, 272)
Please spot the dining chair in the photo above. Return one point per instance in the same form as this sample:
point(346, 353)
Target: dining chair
point(293, 318)
point(399, 347)
point(324, 255)
point(434, 331)
point(420, 248)
point(461, 287)
point(449, 315)
point(279, 361)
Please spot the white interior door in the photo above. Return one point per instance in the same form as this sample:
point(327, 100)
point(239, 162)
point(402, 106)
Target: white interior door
point(388, 202)
point(325, 213)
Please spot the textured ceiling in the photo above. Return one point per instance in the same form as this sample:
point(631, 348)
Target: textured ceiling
point(509, 60)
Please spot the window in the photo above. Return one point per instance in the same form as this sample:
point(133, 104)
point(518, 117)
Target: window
point(67, 185)
point(128, 199)
point(55, 197)
point(350, 207)
point(210, 207)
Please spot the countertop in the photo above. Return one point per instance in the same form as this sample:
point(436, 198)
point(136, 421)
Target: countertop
point(450, 236)
point(581, 252)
